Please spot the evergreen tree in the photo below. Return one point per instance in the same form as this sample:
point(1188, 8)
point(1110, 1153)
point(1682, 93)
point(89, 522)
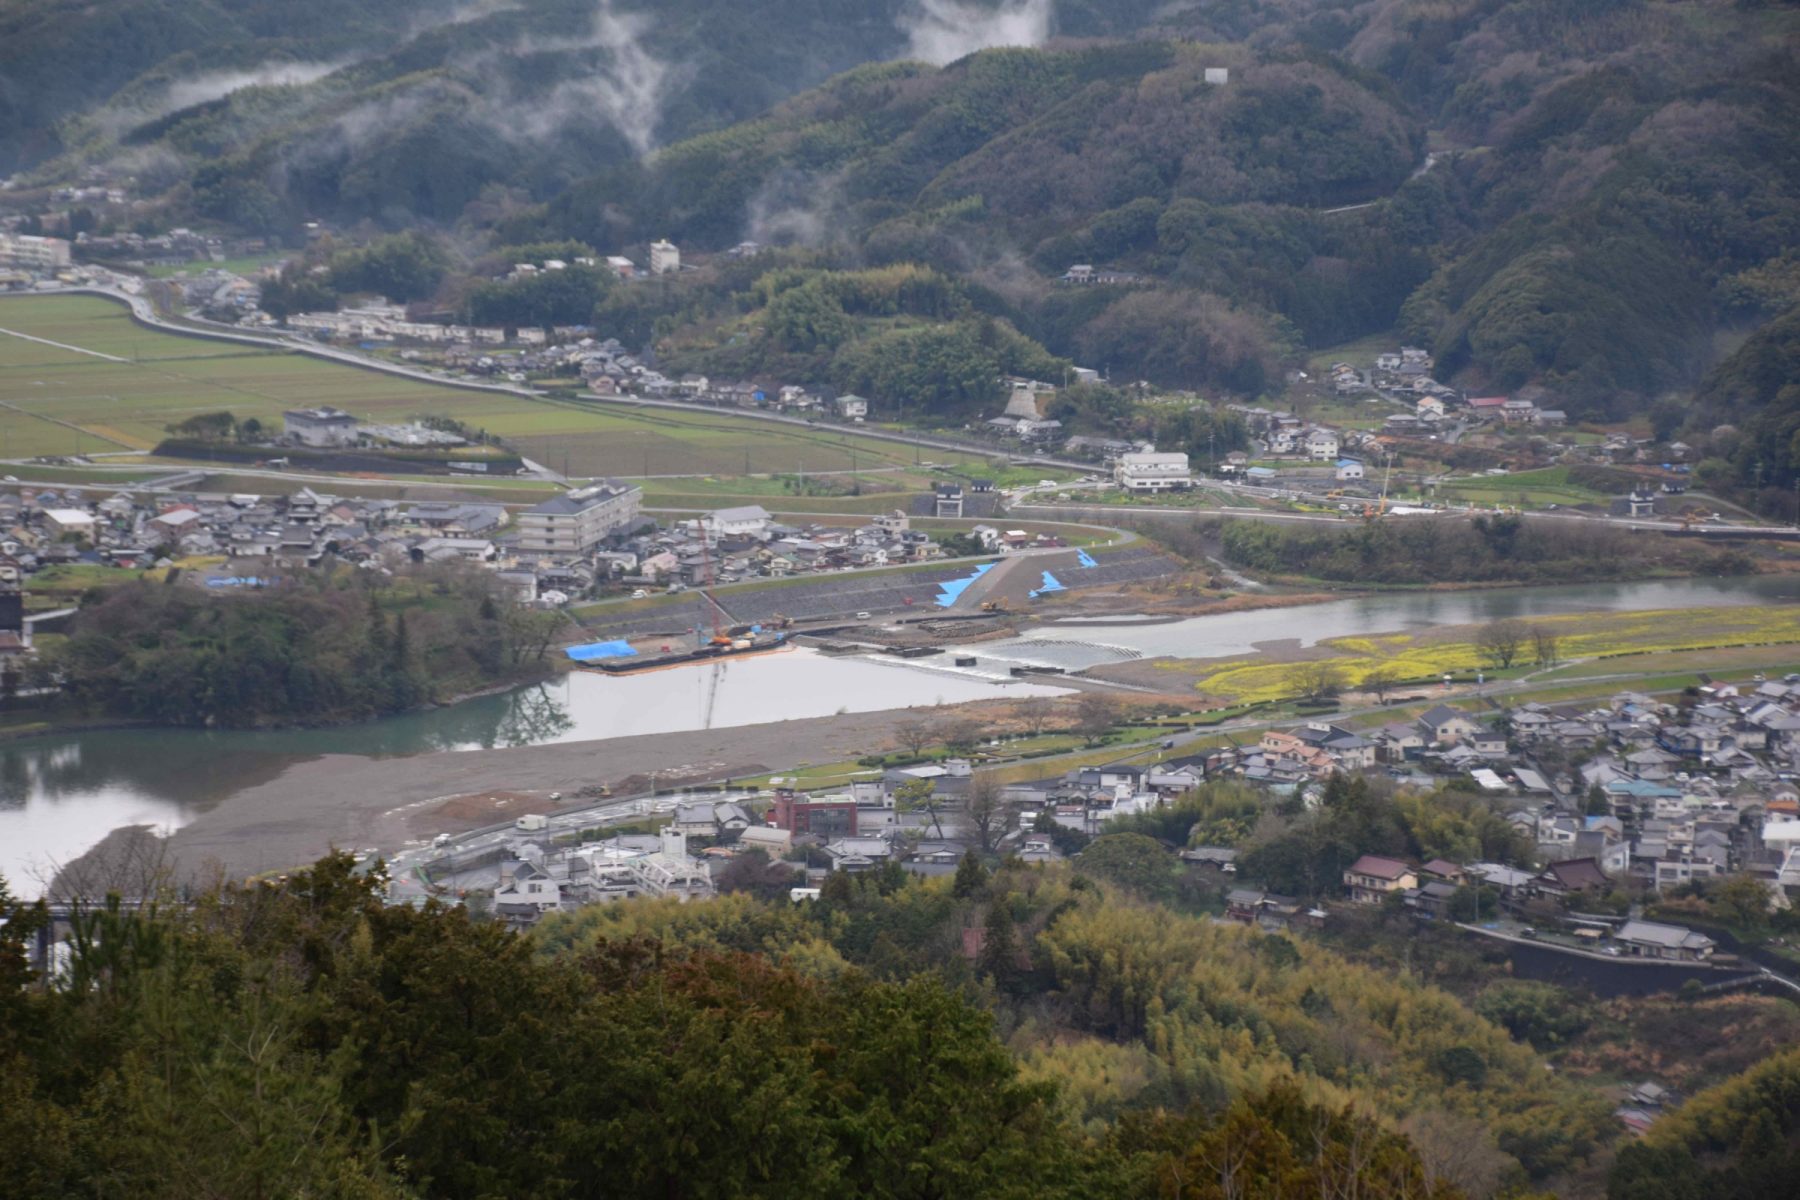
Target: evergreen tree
point(971, 877)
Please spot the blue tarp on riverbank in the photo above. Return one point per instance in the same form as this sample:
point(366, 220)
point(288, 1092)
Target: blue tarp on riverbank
point(1085, 559)
point(1051, 584)
point(948, 592)
point(594, 650)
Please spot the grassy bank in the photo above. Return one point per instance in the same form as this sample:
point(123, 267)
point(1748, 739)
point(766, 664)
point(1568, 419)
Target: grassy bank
point(1593, 637)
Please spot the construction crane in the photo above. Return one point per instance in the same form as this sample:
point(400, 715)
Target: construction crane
point(1372, 512)
point(719, 636)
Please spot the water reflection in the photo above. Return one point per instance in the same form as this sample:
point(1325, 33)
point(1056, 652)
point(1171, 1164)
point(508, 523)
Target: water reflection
point(59, 795)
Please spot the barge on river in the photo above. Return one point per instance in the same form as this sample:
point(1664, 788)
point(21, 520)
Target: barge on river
point(618, 658)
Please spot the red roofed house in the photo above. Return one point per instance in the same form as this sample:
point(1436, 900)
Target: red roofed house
point(1489, 407)
point(1371, 877)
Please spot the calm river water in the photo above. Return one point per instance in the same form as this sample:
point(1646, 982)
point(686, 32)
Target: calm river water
point(61, 794)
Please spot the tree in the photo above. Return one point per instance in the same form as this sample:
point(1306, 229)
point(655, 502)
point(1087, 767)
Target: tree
point(1095, 715)
point(1131, 860)
point(1499, 643)
point(1597, 803)
point(1035, 713)
point(752, 871)
point(1315, 679)
point(958, 734)
point(987, 815)
point(971, 877)
point(915, 734)
point(1544, 644)
point(919, 795)
point(1380, 682)
point(999, 957)
point(206, 427)
point(1742, 901)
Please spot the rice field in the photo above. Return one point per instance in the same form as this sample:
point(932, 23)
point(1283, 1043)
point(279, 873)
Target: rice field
point(61, 401)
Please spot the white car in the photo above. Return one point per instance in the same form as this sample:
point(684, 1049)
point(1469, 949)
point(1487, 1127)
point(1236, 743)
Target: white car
point(862, 616)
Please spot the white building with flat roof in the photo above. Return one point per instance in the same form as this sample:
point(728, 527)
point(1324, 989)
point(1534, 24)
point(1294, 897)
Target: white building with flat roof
point(1152, 471)
point(665, 257)
point(323, 426)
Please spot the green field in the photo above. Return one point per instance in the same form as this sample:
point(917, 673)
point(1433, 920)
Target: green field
point(1547, 485)
point(61, 401)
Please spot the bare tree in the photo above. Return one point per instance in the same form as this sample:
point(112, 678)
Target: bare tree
point(959, 734)
point(1035, 712)
point(1095, 715)
point(1457, 1151)
point(914, 733)
point(1544, 645)
point(987, 815)
point(1500, 642)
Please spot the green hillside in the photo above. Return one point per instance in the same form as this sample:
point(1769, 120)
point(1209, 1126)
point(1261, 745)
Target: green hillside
point(1609, 198)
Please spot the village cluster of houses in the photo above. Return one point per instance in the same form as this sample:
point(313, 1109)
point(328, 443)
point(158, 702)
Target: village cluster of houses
point(1691, 791)
point(537, 877)
point(548, 554)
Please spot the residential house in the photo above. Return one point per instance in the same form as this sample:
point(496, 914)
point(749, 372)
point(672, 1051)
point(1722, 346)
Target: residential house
point(1446, 726)
point(1571, 877)
point(1371, 878)
point(1651, 939)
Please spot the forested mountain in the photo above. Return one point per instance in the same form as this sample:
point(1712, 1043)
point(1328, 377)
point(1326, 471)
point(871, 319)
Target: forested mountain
point(1610, 200)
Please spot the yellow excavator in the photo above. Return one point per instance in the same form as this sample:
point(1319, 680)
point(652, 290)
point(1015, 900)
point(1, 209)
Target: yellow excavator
point(994, 606)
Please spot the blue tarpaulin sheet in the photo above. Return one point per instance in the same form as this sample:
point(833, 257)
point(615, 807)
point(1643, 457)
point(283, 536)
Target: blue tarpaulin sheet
point(1051, 584)
point(593, 650)
point(1085, 559)
point(237, 581)
point(956, 587)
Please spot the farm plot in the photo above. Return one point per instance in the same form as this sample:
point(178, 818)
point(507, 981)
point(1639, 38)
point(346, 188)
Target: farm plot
point(56, 400)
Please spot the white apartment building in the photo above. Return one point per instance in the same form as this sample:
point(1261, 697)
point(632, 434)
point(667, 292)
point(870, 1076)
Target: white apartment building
point(575, 523)
point(1150, 471)
point(33, 253)
point(665, 258)
point(323, 426)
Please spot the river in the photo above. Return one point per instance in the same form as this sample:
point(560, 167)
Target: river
point(61, 794)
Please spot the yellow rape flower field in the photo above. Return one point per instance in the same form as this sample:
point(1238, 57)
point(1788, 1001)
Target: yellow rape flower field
point(1580, 636)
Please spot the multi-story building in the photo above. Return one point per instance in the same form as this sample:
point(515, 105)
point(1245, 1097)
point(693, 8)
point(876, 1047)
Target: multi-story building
point(665, 257)
point(33, 253)
point(1152, 472)
point(320, 426)
point(574, 523)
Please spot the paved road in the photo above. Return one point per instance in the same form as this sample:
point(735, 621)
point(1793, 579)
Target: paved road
point(62, 346)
